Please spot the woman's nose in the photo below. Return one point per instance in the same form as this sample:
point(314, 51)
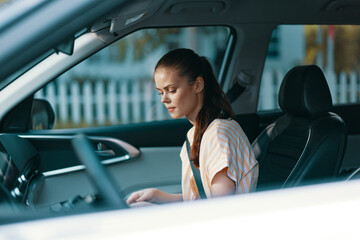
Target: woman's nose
point(164, 98)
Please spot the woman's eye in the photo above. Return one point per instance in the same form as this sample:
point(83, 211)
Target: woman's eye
point(172, 91)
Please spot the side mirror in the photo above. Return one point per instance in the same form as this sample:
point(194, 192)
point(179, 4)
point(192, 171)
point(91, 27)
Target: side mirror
point(42, 115)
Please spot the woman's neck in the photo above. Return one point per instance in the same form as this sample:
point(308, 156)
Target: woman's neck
point(193, 115)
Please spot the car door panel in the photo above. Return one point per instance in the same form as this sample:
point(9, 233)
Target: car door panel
point(56, 151)
point(156, 166)
point(131, 175)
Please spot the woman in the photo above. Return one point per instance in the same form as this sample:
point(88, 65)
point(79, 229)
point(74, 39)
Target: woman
point(219, 147)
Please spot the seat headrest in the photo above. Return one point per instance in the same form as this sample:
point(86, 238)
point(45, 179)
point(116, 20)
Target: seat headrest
point(305, 92)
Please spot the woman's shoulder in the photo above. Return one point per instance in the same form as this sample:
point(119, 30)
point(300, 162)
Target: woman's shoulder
point(223, 127)
point(219, 123)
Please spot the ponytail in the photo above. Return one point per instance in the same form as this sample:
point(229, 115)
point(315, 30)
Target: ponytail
point(216, 105)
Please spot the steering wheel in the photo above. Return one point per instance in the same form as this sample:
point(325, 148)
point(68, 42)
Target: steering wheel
point(99, 176)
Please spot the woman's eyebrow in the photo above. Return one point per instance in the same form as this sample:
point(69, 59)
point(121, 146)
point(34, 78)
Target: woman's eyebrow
point(167, 87)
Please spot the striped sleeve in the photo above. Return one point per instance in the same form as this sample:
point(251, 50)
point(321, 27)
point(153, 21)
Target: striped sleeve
point(220, 148)
point(225, 145)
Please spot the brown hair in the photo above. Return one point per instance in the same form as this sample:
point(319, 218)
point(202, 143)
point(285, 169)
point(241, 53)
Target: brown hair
point(215, 104)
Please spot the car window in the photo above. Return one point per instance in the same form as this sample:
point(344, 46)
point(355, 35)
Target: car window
point(115, 85)
point(334, 48)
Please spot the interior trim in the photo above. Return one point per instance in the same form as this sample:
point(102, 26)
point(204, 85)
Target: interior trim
point(131, 151)
point(82, 167)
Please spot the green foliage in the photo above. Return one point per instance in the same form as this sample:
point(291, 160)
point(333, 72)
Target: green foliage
point(3, 2)
point(144, 42)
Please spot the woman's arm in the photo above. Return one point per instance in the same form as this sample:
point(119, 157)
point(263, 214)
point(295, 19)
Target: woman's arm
point(222, 185)
point(153, 195)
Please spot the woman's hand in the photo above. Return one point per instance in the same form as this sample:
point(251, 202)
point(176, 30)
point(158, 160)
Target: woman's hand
point(146, 195)
point(153, 195)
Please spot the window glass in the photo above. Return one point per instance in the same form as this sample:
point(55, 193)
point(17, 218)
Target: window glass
point(335, 49)
point(115, 86)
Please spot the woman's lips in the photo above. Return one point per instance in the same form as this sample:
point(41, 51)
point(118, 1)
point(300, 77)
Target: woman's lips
point(170, 109)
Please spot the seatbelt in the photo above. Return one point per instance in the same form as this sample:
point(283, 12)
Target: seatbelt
point(234, 92)
point(196, 173)
point(241, 82)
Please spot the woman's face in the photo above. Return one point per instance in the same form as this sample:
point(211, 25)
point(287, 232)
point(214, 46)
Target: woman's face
point(179, 96)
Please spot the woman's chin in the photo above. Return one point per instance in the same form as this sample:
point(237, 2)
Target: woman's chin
point(176, 116)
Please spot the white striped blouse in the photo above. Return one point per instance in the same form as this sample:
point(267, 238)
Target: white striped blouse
point(224, 144)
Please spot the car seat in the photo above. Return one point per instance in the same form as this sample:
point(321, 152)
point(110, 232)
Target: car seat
point(307, 143)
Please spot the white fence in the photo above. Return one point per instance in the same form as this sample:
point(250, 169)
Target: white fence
point(121, 100)
point(104, 102)
point(344, 88)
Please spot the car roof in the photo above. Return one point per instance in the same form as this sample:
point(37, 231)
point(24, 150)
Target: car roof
point(29, 36)
point(182, 12)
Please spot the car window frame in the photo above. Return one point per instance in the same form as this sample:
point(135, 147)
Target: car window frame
point(229, 44)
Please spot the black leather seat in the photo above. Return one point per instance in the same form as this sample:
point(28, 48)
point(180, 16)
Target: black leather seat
point(307, 143)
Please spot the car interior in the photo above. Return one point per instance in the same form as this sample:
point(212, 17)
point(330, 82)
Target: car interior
point(53, 171)
point(308, 142)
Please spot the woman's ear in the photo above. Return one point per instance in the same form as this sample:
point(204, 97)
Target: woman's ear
point(199, 84)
